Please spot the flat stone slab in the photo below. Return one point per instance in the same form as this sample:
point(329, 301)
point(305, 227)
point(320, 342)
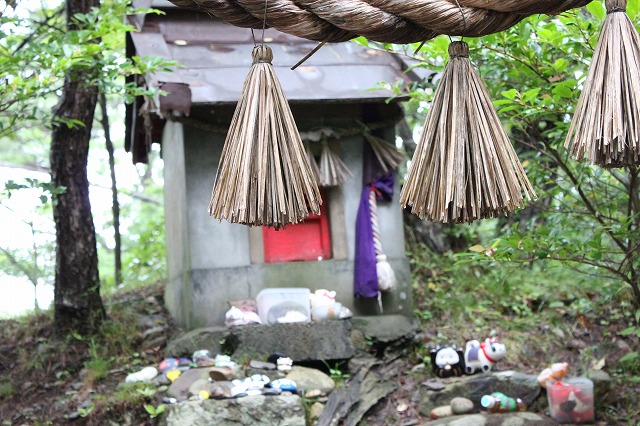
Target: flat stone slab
point(282, 410)
point(509, 419)
point(511, 383)
point(324, 340)
point(385, 328)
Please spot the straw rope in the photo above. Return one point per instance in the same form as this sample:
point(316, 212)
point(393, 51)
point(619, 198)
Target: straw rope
point(386, 277)
point(388, 21)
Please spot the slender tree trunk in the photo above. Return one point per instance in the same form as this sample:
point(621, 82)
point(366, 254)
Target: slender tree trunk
point(114, 191)
point(78, 305)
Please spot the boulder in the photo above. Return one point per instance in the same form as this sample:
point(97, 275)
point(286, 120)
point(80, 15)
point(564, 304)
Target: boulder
point(311, 379)
point(202, 338)
point(179, 389)
point(200, 385)
point(509, 419)
point(283, 410)
point(516, 385)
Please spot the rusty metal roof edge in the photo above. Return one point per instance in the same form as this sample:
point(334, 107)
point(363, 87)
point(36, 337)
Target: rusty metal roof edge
point(378, 100)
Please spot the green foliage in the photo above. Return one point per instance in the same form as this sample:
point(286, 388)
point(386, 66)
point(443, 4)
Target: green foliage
point(6, 390)
point(482, 295)
point(36, 54)
point(586, 218)
point(154, 411)
point(99, 362)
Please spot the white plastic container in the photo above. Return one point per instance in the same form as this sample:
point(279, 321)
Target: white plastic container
point(294, 299)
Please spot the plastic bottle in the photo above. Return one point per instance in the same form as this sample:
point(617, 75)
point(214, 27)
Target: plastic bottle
point(498, 402)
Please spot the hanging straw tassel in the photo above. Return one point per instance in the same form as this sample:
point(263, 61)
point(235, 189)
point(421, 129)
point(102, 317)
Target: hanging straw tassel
point(606, 123)
point(333, 171)
point(388, 155)
point(464, 167)
point(312, 162)
point(386, 276)
point(264, 177)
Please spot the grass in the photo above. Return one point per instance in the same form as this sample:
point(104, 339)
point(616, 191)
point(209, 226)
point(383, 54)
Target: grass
point(83, 375)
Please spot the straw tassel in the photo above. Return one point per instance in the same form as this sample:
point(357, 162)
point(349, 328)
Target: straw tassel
point(388, 155)
point(606, 123)
point(264, 177)
point(333, 171)
point(315, 169)
point(464, 167)
point(386, 276)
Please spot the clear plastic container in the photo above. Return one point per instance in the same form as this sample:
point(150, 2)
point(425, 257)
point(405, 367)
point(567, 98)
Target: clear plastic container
point(283, 301)
point(571, 400)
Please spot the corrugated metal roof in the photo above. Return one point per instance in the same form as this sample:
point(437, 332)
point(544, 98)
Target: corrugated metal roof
point(215, 58)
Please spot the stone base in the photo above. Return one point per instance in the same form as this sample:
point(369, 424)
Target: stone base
point(314, 341)
point(251, 410)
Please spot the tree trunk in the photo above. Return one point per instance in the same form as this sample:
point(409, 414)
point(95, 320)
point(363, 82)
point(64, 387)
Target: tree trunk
point(115, 205)
point(78, 305)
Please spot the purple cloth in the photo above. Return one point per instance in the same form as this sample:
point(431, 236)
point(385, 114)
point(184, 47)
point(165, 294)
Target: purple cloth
point(365, 275)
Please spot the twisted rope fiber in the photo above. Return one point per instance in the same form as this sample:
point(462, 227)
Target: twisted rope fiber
point(387, 21)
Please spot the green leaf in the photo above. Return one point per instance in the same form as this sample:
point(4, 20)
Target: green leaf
point(631, 356)
point(510, 94)
point(629, 331)
point(596, 8)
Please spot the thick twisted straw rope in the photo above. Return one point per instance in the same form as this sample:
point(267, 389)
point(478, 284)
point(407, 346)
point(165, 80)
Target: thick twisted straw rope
point(388, 21)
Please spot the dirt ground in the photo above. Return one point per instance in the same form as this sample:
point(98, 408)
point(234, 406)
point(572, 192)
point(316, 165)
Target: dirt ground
point(46, 380)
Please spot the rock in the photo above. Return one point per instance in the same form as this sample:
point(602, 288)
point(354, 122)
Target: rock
point(509, 419)
point(154, 332)
point(258, 410)
point(161, 380)
point(385, 328)
point(260, 365)
point(311, 379)
point(316, 411)
point(576, 344)
point(461, 405)
point(179, 389)
point(313, 393)
point(434, 384)
point(510, 383)
point(149, 321)
point(418, 368)
point(324, 340)
point(200, 385)
point(220, 374)
point(202, 338)
point(221, 390)
point(271, 374)
point(440, 412)
point(158, 342)
point(559, 333)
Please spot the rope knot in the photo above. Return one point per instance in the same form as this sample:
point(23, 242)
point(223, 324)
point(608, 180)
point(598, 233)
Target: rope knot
point(459, 49)
point(262, 53)
point(614, 6)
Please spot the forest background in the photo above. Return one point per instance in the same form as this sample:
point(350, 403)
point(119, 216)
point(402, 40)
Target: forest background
point(570, 260)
